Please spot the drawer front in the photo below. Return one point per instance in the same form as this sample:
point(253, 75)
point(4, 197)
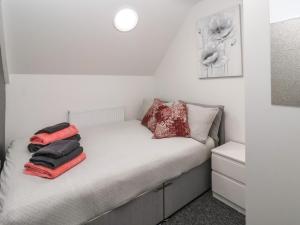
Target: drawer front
point(229, 189)
point(230, 168)
point(146, 210)
point(187, 187)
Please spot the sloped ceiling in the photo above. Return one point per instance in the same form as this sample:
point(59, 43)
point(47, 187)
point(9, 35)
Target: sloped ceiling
point(78, 36)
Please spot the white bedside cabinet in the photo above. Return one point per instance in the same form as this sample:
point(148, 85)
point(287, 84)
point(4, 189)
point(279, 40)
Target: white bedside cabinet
point(228, 175)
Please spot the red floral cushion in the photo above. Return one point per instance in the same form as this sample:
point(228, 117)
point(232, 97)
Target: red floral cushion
point(172, 121)
point(149, 119)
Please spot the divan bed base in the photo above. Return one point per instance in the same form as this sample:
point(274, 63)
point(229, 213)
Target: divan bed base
point(155, 206)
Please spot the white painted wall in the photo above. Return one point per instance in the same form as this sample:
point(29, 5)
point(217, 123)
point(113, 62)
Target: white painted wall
point(283, 10)
point(272, 132)
point(78, 36)
point(35, 101)
point(177, 76)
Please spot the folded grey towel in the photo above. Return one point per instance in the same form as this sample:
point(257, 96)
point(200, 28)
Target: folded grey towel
point(54, 128)
point(54, 163)
point(35, 147)
point(58, 149)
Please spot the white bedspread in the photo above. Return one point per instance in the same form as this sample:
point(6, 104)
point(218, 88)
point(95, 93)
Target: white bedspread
point(122, 162)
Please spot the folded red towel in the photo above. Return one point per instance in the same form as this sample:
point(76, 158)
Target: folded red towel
point(41, 171)
point(45, 138)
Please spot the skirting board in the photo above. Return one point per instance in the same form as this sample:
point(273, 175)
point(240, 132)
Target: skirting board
point(229, 203)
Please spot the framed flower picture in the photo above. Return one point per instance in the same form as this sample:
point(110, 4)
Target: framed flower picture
point(220, 44)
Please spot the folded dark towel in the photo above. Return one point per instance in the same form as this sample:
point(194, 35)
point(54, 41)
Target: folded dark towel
point(54, 163)
point(54, 128)
point(35, 147)
point(58, 149)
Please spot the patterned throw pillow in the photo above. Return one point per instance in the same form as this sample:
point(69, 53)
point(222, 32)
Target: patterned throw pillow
point(149, 119)
point(172, 121)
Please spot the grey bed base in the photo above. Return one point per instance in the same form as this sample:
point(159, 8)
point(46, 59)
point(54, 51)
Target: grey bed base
point(157, 205)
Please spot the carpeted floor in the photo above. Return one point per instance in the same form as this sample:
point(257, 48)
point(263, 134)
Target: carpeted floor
point(206, 210)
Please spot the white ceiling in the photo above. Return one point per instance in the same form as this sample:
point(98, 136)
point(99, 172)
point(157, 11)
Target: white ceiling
point(78, 36)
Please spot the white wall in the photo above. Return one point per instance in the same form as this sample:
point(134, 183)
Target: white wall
point(34, 101)
point(78, 36)
point(272, 132)
point(283, 10)
point(177, 76)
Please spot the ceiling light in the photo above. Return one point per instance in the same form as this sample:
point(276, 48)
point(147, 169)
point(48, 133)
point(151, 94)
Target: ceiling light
point(126, 20)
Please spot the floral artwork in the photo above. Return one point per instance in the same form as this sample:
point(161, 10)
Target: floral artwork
point(220, 47)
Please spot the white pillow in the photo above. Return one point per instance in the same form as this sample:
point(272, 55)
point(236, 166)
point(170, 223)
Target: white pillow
point(147, 102)
point(200, 121)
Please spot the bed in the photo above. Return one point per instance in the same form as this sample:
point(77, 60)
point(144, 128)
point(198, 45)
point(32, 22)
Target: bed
point(126, 179)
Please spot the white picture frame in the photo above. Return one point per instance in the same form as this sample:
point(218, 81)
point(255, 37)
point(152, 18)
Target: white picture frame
point(219, 39)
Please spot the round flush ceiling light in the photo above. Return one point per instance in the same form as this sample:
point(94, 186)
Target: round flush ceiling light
point(126, 20)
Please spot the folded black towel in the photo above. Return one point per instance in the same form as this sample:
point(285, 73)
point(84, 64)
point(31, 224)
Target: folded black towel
point(76, 137)
point(58, 149)
point(34, 147)
point(54, 163)
point(54, 128)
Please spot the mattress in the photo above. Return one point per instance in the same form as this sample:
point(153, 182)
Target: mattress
point(123, 161)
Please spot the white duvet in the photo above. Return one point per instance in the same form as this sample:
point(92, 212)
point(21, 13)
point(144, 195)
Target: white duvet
point(123, 161)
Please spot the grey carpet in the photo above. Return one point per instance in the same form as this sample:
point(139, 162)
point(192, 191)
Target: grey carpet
point(206, 210)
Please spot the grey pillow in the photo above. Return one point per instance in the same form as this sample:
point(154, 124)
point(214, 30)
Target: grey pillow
point(214, 130)
point(200, 121)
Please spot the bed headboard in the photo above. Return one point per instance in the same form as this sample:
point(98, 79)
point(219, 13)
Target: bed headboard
point(221, 133)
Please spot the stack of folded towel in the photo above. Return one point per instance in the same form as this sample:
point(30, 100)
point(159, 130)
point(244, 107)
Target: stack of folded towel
point(56, 149)
point(51, 134)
